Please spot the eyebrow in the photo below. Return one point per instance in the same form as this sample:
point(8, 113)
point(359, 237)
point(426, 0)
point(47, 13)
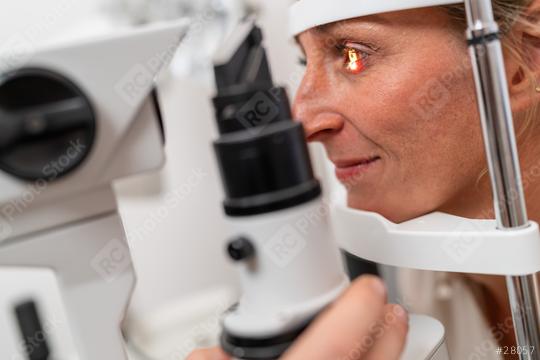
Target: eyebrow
point(348, 25)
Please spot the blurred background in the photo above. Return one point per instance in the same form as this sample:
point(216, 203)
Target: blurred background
point(173, 218)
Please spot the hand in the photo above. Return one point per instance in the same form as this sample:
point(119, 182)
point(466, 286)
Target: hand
point(209, 354)
point(358, 326)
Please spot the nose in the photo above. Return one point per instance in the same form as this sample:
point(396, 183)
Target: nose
point(313, 108)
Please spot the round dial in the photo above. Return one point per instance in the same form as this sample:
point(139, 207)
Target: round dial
point(47, 125)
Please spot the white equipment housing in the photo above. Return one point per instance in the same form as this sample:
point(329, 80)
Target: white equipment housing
point(72, 225)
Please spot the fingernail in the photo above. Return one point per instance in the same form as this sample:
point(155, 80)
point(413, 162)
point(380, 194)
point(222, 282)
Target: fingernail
point(378, 286)
point(400, 312)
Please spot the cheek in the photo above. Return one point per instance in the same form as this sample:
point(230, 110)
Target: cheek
point(422, 102)
point(441, 144)
point(424, 116)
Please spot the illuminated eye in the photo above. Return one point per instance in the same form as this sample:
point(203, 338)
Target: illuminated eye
point(354, 62)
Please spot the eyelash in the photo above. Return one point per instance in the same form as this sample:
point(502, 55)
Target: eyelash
point(354, 59)
point(344, 51)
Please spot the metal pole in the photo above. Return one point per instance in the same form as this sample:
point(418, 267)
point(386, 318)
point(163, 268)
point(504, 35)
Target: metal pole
point(503, 160)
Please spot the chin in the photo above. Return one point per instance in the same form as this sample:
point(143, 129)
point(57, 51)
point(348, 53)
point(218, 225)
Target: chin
point(392, 212)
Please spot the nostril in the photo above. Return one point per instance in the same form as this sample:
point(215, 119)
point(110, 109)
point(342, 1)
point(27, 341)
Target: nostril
point(322, 125)
point(320, 135)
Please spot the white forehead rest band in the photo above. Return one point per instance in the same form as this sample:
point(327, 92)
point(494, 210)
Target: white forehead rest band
point(307, 14)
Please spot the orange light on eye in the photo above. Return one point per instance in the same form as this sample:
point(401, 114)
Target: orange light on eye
point(353, 61)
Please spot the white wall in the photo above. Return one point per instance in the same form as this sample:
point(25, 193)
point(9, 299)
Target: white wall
point(39, 21)
point(179, 249)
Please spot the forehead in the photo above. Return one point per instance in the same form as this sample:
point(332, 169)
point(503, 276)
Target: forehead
point(328, 34)
point(343, 27)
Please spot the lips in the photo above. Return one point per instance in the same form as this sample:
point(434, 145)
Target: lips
point(351, 170)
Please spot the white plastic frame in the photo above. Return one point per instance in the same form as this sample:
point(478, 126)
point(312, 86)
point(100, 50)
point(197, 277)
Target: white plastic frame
point(439, 242)
point(307, 14)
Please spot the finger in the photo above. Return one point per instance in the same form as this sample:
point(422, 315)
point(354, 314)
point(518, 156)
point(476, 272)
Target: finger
point(389, 339)
point(345, 325)
point(209, 354)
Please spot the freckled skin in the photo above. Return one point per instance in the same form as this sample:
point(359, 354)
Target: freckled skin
point(414, 106)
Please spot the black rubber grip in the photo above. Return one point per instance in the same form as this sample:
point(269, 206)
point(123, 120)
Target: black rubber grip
point(484, 39)
point(32, 332)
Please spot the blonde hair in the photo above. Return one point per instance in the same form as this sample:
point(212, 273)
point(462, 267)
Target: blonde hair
point(511, 14)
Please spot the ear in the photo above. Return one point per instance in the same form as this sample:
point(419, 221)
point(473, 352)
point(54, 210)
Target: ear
point(523, 64)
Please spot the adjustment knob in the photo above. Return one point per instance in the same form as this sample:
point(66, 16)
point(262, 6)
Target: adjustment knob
point(34, 335)
point(241, 249)
point(47, 125)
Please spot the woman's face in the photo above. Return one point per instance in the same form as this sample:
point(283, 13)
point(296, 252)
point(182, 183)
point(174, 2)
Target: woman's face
point(392, 99)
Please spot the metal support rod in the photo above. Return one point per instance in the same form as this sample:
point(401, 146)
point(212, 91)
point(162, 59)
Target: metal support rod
point(503, 161)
